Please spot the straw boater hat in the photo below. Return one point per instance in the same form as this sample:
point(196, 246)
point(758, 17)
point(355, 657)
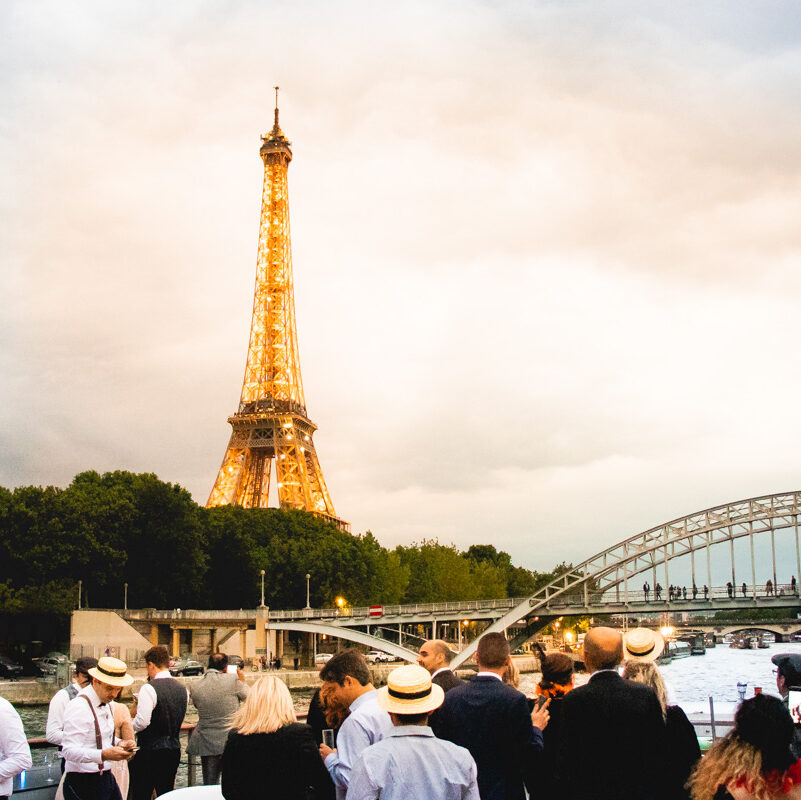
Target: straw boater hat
point(112, 671)
point(409, 691)
point(642, 644)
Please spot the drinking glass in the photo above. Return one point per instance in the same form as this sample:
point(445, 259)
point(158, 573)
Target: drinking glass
point(49, 762)
point(328, 737)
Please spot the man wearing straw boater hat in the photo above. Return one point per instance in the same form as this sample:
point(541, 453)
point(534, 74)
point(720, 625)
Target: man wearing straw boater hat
point(88, 743)
point(411, 761)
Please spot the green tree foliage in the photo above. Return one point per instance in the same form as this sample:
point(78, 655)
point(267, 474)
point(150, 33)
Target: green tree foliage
point(119, 527)
point(440, 573)
point(287, 546)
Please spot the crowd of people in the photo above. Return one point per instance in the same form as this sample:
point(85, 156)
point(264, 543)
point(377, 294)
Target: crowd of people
point(426, 734)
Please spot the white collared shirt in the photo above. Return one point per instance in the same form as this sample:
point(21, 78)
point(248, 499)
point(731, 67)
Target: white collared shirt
point(78, 742)
point(55, 715)
point(483, 674)
point(146, 702)
point(441, 669)
point(15, 755)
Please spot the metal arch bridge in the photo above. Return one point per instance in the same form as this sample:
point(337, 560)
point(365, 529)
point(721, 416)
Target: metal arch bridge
point(599, 585)
point(585, 588)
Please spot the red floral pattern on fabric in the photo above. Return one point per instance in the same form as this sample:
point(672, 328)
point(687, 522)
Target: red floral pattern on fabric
point(782, 782)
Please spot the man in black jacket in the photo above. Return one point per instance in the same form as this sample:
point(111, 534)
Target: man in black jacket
point(492, 720)
point(612, 744)
point(435, 656)
point(161, 708)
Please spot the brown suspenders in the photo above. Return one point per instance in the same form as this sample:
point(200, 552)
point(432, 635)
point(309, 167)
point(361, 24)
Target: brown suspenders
point(98, 737)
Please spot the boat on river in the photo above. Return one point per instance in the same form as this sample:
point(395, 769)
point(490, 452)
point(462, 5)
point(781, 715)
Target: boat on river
point(678, 649)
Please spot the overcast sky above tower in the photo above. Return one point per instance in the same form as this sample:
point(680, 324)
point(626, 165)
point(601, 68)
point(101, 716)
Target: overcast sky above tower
point(547, 254)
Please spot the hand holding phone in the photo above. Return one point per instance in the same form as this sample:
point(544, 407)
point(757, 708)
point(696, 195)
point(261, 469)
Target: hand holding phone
point(794, 703)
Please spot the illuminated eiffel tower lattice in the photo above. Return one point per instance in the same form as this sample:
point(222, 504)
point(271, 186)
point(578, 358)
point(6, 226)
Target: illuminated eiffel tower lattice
point(271, 426)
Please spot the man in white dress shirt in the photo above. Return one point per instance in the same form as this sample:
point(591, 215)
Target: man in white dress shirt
point(87, 742)
point(347, 677)
point(55, 713)
point(15, 755)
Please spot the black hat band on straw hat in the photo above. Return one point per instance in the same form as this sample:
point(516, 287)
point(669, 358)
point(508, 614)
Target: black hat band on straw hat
point(408, 695)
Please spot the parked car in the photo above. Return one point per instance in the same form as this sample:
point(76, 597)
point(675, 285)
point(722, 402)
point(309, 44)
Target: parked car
point(48, 665)
point(378, 657)
point(323, 658)
point(186, 667)
point(9, 668)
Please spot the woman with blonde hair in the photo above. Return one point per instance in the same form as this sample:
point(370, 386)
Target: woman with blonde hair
point(683, 750)
point(269, 754)
point(753, 761)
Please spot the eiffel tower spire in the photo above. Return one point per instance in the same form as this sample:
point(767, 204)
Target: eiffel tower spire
point(271, 424)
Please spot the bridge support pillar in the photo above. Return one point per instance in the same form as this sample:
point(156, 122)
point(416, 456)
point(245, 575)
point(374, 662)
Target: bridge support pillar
point(433, 629)
point(176, 642)
point(279, 644)
point(243, 642)
point(154, 634)
point(308, 650)
point(192, 643)
point(213, 639)
point(261, 631)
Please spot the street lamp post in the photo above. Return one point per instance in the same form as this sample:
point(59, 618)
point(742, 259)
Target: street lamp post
point(262, 588)
point(80, 585)
point(125, 601)
point(307, 590)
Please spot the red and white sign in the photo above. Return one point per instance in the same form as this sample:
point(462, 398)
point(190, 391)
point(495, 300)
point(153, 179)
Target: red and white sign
point(376, 611)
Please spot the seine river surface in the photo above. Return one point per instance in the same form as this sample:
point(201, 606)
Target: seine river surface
point(691, 681)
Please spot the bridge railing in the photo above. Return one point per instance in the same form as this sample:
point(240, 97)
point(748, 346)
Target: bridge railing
point(412, 609)
point(576, 599)
point(617, 595)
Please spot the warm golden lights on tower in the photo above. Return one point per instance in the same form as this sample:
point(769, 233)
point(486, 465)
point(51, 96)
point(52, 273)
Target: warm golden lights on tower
point(271, 421)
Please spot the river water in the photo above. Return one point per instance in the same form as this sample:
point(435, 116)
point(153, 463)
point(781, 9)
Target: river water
point(690, 681)
point(693, 680)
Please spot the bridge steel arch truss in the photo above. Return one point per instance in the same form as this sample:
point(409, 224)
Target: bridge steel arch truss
point(350, 634)
point(652, 551)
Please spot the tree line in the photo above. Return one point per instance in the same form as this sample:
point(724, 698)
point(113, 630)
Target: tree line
point(123, 528)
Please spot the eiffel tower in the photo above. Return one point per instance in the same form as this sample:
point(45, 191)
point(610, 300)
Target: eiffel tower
point(271, 424)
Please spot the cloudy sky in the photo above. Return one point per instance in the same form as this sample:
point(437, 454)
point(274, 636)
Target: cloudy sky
point(546, 253)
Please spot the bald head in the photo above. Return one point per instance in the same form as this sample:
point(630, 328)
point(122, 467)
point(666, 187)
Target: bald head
point(434, 654)
point(603, 649)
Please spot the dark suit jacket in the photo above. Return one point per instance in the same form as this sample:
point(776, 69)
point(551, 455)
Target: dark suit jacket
point(285, 764)
point(612, 743)
point(447, 680)
point(493, 722)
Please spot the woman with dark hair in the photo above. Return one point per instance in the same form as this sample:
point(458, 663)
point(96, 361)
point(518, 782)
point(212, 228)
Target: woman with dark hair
point(753, 761)
point(556, 682)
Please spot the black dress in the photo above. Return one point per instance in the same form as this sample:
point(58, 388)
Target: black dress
point(683, 751)
point(284, 765)
point(546, 785)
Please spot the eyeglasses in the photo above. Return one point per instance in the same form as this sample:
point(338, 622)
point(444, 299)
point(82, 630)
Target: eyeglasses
point(775, 671)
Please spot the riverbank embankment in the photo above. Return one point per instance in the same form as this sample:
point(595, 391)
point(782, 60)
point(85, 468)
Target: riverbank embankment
point(35, 692)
